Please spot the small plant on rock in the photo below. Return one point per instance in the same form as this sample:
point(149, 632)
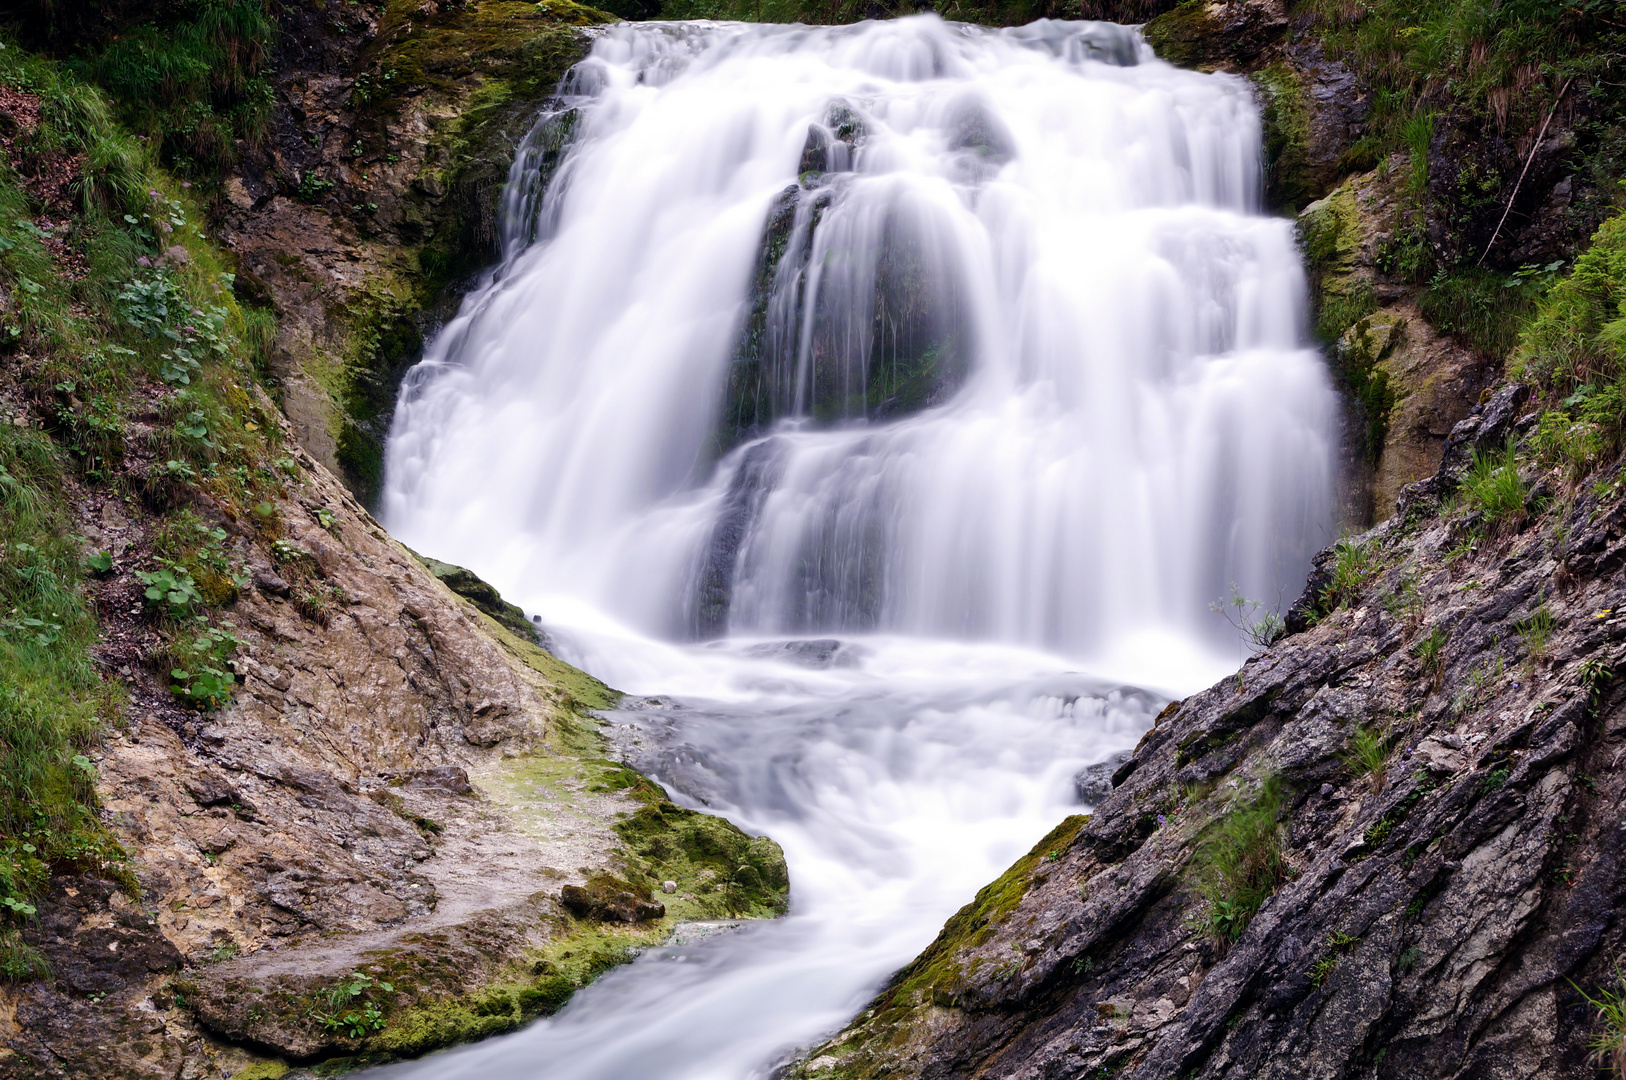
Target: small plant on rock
point(1609, 1045)
point(1430, 650)
point(1256, 624)
point(350, 1007)
point(171, 590)
point(1239, 861)
point(1494, 488)
point(1354, 565)
point(1368, 752)
point(1536, 631)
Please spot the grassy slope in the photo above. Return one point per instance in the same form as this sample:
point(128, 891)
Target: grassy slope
point(96, 314)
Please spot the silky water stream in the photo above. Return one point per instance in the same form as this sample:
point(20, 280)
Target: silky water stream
point(892, 401)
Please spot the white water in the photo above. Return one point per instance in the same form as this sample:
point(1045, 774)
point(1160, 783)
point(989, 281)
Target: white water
point(1125, 421)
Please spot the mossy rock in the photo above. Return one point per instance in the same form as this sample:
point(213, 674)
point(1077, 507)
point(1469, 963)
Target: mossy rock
point(936, 974)
point(1285, 120)
point(471, 587)
point(720, 871)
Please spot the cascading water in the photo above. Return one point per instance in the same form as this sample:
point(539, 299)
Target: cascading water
point(967, 352)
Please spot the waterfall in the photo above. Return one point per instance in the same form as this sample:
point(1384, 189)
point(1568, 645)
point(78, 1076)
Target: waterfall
point(904, 328)
point(965, 360)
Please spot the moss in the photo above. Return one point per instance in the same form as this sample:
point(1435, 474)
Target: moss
point(1187, 36)
point(720, 871)
point(262, 1070)
point(1286, 128)
point(472, 588)
point(936, 973)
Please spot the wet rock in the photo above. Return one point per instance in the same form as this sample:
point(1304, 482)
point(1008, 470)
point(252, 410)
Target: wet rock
point(1094, 782)
point(610, 899)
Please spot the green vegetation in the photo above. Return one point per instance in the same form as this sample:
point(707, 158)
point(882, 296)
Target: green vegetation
point(1256, 624)
point(1498, 66)
point(1494, 489)
point(1609, 1044)
point(349, 1005)
point(1338, 943)
point(1430, 650)
point(131, 361)
point(191, 79)
point(1368, 751)
point(1536, 631)
point(1575, 352)
point(1354, 566)
point(1239, 863)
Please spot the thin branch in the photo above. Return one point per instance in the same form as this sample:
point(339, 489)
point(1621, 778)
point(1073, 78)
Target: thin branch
point(1542, 134)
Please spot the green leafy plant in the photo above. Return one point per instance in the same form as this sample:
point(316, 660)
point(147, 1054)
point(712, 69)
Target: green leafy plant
point(350, 1007)
point(171, 590)
point(1596, 672)
point(1256, 624)
point(202, 678)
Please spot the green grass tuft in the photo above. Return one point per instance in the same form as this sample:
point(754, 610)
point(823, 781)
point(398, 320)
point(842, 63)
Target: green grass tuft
point(1239, 862)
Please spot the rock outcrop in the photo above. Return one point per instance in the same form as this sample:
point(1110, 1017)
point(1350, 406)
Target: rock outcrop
point(1431, 771)
point(372, 851)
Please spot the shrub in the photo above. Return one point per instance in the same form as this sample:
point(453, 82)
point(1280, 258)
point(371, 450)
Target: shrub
point(1239, 862)
point(1256, 624)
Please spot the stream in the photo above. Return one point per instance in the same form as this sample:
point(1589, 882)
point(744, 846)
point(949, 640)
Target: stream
point(881, 407)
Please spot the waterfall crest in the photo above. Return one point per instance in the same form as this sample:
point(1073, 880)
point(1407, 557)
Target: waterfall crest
point(905, 327)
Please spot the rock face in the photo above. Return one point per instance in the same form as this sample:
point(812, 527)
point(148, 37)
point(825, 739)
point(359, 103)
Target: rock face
point(362, 855)
point(377, 191)
point(1440, 898)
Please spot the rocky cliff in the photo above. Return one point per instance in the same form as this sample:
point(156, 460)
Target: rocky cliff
point(1387, 846)
point(279, 792)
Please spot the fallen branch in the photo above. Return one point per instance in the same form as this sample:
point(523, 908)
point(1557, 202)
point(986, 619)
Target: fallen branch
point(1542, 134)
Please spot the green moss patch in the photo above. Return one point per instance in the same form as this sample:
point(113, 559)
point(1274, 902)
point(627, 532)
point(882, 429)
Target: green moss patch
point(936, 974)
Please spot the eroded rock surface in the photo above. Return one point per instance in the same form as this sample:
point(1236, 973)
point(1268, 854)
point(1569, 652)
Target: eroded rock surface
point(399, 794)
point(1439, 912)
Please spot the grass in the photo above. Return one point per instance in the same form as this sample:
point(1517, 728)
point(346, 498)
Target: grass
point(1239, 862)
point(1494, 489)
point(191, 78)
point(1608, 1046)
point(1368, 752)
point(1354, 566)
point(1536, 632)
point(1430, 650)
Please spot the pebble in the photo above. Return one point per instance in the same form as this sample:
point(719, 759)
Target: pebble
point(668, 886)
